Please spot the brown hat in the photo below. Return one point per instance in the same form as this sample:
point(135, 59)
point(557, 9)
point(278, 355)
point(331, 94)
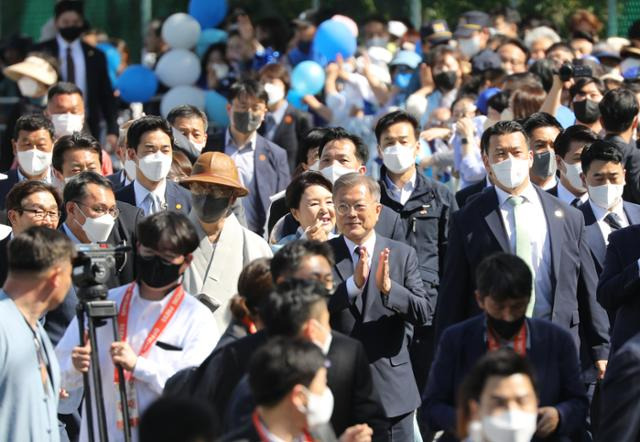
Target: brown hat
point(216, 168)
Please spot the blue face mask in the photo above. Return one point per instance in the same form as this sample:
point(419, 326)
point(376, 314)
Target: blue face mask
point(402, 80)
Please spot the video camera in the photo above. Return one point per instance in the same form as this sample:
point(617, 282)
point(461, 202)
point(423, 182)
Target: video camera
point(94, 266)
point(568, 71)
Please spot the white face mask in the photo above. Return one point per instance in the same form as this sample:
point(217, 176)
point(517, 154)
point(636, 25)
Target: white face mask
point(398, 158)
point(469, 46)
point(97, 229)
point(220, 69)
point(155, 166)
point(319, 408)
point(573, 176)
point(511, 172)
point(66, 124)
point(34, 161)
point(275, 93)
point(607, 195)
point(130, 169)
point(315, 166)
point(187, 144)
point(28, 87)
point(510, 426)
point(335, 171)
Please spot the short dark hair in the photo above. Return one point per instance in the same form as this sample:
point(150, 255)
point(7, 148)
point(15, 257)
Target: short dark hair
point(170, 231)
point(141, 126)
point(618, 108)
point(62, 88)
point(581, 82)
point(255, 283)
point(602, 150)
point(538, 120)
point(171, 419)
point(339, 133)
point(288, 259)
point(570, 134)
point(23, 189)
point(37, 249)
point(517, 43)
point(502, 276)
point(298, 185)
point(562, 46)
point(293, 302)
point(73, 142)
point(76, 189)
point(392, 118)
point(501, 128)
point(277, 70)
point(187, 111)
point(281, 364)
point(32, 123)
point(312, 139)
point(248, 87)
point(63, 6)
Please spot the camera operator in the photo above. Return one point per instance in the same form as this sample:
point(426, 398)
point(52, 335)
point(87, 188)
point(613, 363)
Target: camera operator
point(39, 278)
point(162, 328)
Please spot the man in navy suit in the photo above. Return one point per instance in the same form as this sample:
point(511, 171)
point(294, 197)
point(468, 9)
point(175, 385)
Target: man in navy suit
point(542, 130)
point(262, 165)
point(515, 216)
point(379, 298)
point(503, 291)
point(464, 195)
point(569, 146)
point(150, 145)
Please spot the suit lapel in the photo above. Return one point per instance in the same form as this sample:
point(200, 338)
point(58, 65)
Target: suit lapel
point(633, 212)
point(371, 288)
point(262, 170)
point(494, 219)
point(595, 241)
point(554, 214)
point(344, 265)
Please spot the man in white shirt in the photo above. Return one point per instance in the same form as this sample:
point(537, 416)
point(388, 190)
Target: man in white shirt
point(162, 329)
point(542, 130)
point(569, 146)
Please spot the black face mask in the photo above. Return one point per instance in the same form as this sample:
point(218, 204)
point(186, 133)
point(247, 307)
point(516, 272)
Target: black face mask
point(505, 329)
point(586, 111)
point(208, 208)
point(246, 122)
point(446, 81)
point(156, 272)
point(70, 33)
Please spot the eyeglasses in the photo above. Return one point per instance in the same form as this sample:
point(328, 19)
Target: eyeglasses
point(345, 209)
point(40, 214)
point(100, 211)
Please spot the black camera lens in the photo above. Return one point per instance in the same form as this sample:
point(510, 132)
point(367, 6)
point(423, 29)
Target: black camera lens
point(566, 72)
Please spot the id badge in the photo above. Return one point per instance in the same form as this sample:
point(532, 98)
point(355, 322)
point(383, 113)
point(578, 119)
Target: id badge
point(132, 399)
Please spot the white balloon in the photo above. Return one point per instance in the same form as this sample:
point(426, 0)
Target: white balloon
point(178, 67)
point(181, 95)
point(181, 31)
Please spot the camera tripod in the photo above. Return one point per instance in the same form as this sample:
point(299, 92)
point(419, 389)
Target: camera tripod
point(97, 310)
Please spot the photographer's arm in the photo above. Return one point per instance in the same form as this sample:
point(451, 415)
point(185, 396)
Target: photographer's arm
point(553, 100)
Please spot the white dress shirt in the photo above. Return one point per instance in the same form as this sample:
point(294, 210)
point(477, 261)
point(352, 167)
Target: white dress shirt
point(78, 62)
point(243, 157)
point(398, 194)
point(599, 213)
point(47, 179)
point(369, 245)
point(141, 193)
point(540, 244)
point(192, 332)
point(565, 195)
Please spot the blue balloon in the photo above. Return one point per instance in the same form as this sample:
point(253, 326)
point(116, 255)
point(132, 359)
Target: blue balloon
point(308, 78)
point(333, 38)
point(209, 13)
point(295, 99)
point(113, 60)
point(209, 37)
point(215, 105)
point(137, 84)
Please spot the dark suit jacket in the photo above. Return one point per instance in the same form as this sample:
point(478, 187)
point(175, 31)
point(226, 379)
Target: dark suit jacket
point(117, 180)
point(632, 167)
point(620, 282)
point(289, 133)
point(382, 323)
point(176, 197)
point(4, 261)
point(620, 407)
point(551, 353)
point(7, 185)
point(100, 99)
point(270, 168)
point(477, 231)
point(463, 195)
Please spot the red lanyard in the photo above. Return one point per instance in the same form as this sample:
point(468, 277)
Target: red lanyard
point(249, 325)
point(519, 341)
point(263, 437)
point(162, 321)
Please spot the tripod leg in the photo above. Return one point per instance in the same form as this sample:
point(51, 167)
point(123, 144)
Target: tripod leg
point(88, 407)
point(95, 370)
point(123, 391)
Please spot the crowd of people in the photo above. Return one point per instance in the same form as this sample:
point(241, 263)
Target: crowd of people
point(442, 244)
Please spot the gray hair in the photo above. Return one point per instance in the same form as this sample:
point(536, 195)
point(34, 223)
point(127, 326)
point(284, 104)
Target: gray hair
point(355, 179)
point(540, 32)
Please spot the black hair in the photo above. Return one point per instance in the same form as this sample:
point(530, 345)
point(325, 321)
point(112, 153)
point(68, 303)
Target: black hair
point(312, 139)
point(339, 133)
point(32, 123)
point(502, 276)
point(602, 150)
point(255, 283)
point(573, 133)
point(618, 108)
point(149, 123)
point(288, 259)
point(501, 128)
point(544, 69)
point(581, 82)
point(538, 120)
point(249, 87)
point(37, 249)
point(560, 45)
point(76, 189)
point(63, 6)
point(499, 101)
point(281, 364)
point(187, 111)
point(71, 142)
point(392, 118)
point(23, 189)
point(518, 43)
point(62, 88)
point(298, 185)
point(168, 231)
point(170, 419)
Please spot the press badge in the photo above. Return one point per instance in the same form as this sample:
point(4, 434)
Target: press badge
point(132, 399)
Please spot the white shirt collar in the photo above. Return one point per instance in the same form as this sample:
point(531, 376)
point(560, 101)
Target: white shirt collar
point(278, 114)
point(599, 213)
point(141, 192)
point(48, 179)
point(408, 186)
point(369, 244)
point(529, 194)
point(74, 239)
point(565, 195)
point(251, 142)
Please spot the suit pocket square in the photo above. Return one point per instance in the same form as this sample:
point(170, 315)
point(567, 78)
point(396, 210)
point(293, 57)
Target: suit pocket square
point(168, 347)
